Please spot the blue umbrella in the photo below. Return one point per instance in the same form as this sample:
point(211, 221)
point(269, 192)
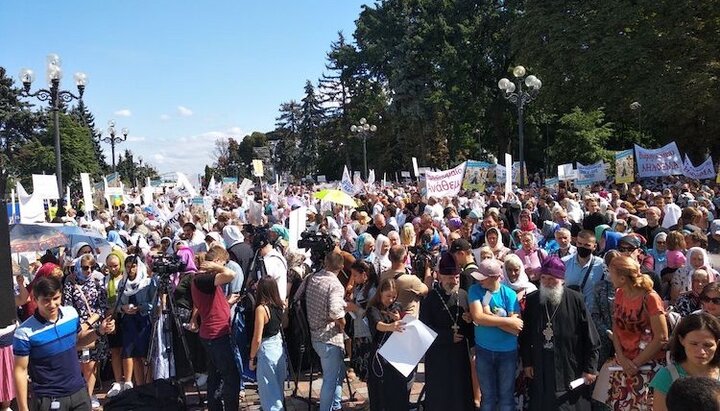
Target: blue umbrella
point(80, 235)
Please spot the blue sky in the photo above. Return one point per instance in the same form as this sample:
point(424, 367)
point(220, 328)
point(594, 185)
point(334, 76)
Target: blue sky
point(178, 74)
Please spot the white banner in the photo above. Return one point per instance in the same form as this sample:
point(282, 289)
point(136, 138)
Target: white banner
point(416, 169)
point(371, 177)
point(298, 222)
point(500, 172)
point(566, 172)
point(660, 162)
point(445, 183)
point(45, 186)
point(346, 185)
point(586, 175)
point(32, 209)
point(183, 182)
point(704, 171)
point(87, 193)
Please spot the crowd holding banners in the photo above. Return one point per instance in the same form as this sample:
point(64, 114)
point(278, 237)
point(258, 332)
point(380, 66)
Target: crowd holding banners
point(497, 259)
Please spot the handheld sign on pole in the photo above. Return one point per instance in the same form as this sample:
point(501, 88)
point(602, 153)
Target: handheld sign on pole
point(508, 174)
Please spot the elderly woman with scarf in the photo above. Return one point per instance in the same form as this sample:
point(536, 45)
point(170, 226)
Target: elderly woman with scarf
point(514, 277)
point(530, 255)
point(659, 252)
point(696, 258)
point(87, 294)
point(382, 248)
point(136, 304)
point(364, 249)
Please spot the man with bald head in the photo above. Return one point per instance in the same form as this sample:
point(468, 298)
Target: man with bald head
point(379, 226)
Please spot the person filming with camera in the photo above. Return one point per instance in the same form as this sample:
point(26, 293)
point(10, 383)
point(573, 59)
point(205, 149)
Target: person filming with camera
point(212, 308)
point(409, 287)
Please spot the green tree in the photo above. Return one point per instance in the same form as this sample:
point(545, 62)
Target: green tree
point(582, 137)
point(288, 127)
point(311, 119)
point(84, 116)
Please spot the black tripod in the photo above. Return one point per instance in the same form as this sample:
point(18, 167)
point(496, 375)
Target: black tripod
point(164, 299)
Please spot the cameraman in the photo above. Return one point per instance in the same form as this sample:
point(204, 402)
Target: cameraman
point(210, 302)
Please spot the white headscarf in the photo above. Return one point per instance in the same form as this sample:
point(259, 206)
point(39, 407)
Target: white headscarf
point(523, 282)
point(382, 261)
point(131, 287)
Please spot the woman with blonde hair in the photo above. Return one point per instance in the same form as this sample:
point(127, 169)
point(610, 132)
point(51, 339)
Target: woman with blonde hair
point(407, 235)
point(639, 331)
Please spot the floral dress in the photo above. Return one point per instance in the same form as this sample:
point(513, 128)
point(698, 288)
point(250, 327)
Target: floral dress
point(89, 297)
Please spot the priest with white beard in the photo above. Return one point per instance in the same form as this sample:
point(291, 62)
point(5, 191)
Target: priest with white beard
point(559, 344)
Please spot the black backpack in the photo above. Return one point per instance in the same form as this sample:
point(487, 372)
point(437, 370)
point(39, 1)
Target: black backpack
point(299, 341)
point(159, 395)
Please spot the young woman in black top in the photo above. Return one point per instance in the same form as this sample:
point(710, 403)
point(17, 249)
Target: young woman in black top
point(267, 355)
point(387, 388)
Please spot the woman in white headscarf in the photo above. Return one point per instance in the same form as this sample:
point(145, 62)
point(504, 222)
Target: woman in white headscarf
point(382, 249)
point(137, 299)
point(514, 277)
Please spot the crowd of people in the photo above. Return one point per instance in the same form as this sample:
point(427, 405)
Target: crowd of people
point(542, 299)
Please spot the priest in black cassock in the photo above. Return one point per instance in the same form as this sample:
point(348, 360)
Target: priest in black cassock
point(559, 344)
point(448, 385)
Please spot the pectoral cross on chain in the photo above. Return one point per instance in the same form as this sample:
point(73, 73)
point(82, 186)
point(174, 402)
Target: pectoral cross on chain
point(455, 328)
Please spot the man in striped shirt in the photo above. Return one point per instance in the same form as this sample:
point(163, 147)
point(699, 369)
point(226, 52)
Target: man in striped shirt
point(45, 348)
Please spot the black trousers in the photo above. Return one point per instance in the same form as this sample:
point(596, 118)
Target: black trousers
point(79, 401)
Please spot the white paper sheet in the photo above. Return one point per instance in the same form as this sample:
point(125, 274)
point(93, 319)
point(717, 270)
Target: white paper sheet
point(405, 349)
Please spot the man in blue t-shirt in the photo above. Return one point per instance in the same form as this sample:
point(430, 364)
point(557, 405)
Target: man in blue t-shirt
point(495, 311)
point(45, 349)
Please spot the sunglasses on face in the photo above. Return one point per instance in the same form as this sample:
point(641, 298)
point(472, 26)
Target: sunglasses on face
point(626, 249)
point(714, 300)
point(86, 267)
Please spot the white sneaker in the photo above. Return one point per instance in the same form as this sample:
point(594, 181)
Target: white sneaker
point(114, 390)
point(95, 402)
point(127, 386)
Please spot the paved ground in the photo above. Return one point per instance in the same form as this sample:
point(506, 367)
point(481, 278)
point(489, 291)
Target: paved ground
point(252, 401)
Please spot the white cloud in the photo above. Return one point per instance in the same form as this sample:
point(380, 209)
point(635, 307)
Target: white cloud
point(123, 113)
point(159, 158)
point(164, 117)
point(184, 111)
point(135, 139)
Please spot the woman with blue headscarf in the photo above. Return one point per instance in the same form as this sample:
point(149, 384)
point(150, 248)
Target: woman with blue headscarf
point(365, 247)
point(113, 237)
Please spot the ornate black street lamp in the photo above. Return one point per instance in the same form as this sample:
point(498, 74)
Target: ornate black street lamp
point(515, 94)
point(55, 96)
point(114, 139)
point(363, 130)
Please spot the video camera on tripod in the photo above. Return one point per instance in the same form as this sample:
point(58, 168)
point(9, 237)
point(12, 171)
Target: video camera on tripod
point(163, 265)
point(319, 245)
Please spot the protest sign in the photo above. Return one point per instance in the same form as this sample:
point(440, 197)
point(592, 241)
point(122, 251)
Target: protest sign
point(87, 192)
point(477, 175)
point(346, 185)
point(704, 171)
point(587, 175)
point(500, 173)
point(404, 350)
point(624, 167)
point(508, 176)
point(444, 183)
point(659, 162)
point(45, 186)
point(32, 209)
point(566, 172)
point(257, 168)
point(415, 167)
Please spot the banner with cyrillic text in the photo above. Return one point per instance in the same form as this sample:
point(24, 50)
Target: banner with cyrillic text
point(706, 170)
point(590, 174)
point(624, 167)
point(659, 162)
point(445, 183)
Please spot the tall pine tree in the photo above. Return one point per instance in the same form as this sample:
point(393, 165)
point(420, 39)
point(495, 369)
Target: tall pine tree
point(83, 115)
point(311, 119)
point(288, 127)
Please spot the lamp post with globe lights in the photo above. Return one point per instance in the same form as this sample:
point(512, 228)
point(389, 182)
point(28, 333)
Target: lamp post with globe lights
point(55, 96)
point(515, 93)
point(636, 106)
point(363, 129)
point(114, 139)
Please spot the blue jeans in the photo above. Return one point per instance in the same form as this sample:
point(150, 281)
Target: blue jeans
point(271, 373)
point(222, 370)
point(333, 369)
point(496, 376)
